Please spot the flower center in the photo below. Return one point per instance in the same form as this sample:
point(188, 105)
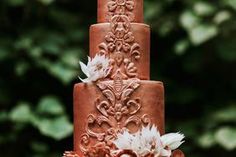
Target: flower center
point(98, 67)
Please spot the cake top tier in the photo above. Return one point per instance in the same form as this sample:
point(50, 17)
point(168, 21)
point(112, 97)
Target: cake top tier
point(132, 8)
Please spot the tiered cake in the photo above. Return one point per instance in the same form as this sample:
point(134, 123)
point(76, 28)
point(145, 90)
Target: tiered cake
point(126, 98)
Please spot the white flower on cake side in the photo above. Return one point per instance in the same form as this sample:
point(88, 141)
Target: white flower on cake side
point(148, 141)
point(96, 68)
point(172, 140)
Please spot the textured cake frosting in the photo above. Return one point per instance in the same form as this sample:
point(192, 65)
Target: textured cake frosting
point(101, 111)
point(125, 99)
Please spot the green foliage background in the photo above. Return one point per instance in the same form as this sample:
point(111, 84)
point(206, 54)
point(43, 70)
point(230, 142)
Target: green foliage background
point(193, 53)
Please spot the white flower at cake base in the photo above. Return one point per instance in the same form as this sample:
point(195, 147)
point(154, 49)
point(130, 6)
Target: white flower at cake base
point(148, 141)
point(96, 68)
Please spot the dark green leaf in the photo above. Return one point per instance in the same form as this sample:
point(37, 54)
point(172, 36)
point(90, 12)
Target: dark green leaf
point(63, 72)
point(189, 20)
point(207, 140)
point(57, 128)
point(227, 114)
point(16, 2)
point(222, 16)
point(50, 105)
point(226, 137)
point(202, 33)
point(39, 146)
point(181, 46)
point(21, 113)
point(204, 8)
point(231, 3)
point(46, 2)
point(21, 68)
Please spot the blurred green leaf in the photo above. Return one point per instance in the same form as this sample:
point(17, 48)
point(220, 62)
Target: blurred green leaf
point(166, 28)
point(50, 105)
point(36, 52)
point(71, 58)
point(46, 2)
point(16, 2)
point(189, 20)
point(57, 128)
point(231, 3)
point(52, 43)
point(222, 16)
point(21, 113)
point(23, 43)
point(39, 146)
point(227, 114)
point(202, 33)
point(181, 47)
point(63, 72)
point(226, 137)
point(51, 47)
point(21, 68)
point(207, 140)
point(204, 8)
point(152, 10)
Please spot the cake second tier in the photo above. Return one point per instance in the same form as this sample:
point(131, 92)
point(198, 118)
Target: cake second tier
point(127, 44)
point(103, 109)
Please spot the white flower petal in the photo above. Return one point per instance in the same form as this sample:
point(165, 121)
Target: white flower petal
point(84, 68)
point(142, 142)
point(84, 80)
point(165, 153)
point(172, 140)
point(175, 145)
point(89, 59)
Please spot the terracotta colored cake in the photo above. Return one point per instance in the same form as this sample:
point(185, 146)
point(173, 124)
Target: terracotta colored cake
point(125, 98)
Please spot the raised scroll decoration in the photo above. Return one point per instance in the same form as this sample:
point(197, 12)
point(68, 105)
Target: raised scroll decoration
point(117, 110)
point(119, 44)
point(116, 113)
point(121, 7)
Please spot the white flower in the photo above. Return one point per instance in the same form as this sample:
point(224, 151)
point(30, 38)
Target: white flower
point(148, 141)
point(172, 140)
point(96, 68)
point(145, 141)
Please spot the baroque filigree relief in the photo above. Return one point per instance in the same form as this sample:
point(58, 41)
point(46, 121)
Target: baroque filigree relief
point(117, 109)
point(121, 7)
point(119, 44)
point(116, 113)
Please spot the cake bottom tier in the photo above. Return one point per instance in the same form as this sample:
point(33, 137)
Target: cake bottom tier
point(176, 153)
point(105, 108)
